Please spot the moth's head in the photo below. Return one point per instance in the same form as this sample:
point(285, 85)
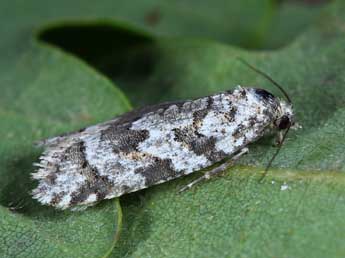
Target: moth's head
point(285, 117)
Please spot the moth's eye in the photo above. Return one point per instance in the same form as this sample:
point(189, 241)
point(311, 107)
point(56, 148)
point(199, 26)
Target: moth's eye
point(264, 94)
point(284, 122)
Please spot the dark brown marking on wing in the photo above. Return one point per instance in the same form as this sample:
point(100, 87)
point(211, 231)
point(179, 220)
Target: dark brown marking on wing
point(160, 169)
point(230, 116)
point(94, 183)
point(123, 139)
point(50, 179)
point(239, 131)
point(57, 197)
point(127, 119)
point(198, 143)
point(99, 185)
point(199, 115)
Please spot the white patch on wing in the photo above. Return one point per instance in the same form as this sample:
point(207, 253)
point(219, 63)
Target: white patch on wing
point(161, 142)
point(64, 203)
point(92, 198)
point(216, 125)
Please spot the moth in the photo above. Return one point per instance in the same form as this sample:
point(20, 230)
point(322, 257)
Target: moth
point(155, 144)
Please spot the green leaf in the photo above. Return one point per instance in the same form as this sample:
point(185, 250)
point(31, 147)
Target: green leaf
point(132, 58)
point(235, 216)
point(60, 234)
point(45, 91)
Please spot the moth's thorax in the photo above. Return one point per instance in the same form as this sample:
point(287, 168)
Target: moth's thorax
point(277, 109)
point(260, 103)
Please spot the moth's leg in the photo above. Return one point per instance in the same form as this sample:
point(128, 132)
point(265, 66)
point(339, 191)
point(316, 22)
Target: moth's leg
point(216, 170)
point(279, 138)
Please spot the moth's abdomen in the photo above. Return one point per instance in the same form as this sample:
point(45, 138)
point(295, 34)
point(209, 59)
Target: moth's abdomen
point(148, 146)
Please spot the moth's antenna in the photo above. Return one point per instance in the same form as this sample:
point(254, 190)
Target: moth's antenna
point(268, 78)
point(289, 101)
point(275, 154)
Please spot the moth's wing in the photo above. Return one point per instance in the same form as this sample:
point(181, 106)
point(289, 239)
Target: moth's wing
point(120, 121)
point(66, 177)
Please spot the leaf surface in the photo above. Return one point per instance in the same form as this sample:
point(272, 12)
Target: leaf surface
point(165, 51)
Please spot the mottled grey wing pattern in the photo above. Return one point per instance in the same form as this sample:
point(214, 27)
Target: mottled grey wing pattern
point(148, 146)
point(66, 176)
point(120, 121)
